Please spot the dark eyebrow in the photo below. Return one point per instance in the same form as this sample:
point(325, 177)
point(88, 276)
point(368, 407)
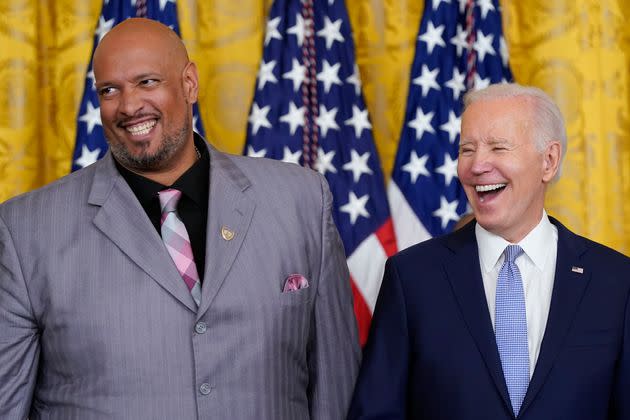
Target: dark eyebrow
point(100, 85)
point(147, 76)
point(137, 78)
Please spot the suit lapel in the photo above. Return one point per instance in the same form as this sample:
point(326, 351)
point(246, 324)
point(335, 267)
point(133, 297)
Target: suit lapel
point(230, 211)
point(123, 220)
point(568, 289)
point(469, 291)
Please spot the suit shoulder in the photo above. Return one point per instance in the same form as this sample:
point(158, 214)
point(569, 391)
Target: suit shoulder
point(271, 167)
point(594, 254)
point(604, 255)
point(276, 178)
point(62, 193)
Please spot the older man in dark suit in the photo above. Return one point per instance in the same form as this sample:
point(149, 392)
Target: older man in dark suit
point(513, 316)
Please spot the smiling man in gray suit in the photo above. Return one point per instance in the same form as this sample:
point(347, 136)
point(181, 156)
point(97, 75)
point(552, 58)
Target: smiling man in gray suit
point(169, 280)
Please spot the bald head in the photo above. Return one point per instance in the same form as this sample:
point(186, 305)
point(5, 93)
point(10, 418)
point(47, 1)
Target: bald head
point(143, 33)
point(147, 87)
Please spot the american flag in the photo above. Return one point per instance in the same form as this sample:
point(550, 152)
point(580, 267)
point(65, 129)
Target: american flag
point(460, 46)
point(90, 144)
point(308, 109)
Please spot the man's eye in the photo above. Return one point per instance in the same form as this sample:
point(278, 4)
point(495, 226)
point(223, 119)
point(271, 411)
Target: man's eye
point(148, 82)
point(465, 151)
point(106, 91)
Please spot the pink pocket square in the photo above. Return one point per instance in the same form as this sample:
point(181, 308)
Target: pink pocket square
point(295, 282)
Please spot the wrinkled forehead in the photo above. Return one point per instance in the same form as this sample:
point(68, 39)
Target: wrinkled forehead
point(493, 119)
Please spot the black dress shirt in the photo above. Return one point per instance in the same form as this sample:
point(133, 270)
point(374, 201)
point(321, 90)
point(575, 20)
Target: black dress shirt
point(192, 207)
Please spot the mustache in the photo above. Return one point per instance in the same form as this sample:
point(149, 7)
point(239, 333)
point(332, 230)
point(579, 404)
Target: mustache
point(121, 122)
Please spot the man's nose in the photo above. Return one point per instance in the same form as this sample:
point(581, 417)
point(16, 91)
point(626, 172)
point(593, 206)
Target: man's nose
point(130, 102)
point(481, 162)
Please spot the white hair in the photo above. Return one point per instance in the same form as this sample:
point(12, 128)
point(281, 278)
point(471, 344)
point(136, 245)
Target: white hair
point(547, 120)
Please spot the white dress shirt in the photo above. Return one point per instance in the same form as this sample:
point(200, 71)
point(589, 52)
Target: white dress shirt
point(537, 265)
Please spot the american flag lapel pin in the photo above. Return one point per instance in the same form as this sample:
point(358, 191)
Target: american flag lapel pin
point(578, 270)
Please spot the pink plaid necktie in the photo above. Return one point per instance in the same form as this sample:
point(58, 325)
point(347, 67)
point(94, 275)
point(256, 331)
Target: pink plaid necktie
point(177, 242)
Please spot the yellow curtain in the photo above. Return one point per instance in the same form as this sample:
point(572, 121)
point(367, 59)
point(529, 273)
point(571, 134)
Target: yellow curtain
point(577, 50)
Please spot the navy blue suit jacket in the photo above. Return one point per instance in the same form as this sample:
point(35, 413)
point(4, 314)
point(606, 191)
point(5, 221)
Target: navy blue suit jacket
point(432, 355)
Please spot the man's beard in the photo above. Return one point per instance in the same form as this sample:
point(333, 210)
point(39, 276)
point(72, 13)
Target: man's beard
point(170, 144)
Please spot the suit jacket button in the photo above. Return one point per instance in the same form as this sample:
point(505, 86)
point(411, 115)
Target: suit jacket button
point(205, 389)
point(201, 327)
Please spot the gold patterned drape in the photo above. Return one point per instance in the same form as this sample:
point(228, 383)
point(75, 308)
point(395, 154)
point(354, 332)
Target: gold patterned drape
point(577, 50)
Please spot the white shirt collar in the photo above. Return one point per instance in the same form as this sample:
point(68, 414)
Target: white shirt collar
point(534, 244)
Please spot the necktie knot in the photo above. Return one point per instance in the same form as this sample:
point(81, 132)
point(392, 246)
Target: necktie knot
point(169, 199)
point(512, 252)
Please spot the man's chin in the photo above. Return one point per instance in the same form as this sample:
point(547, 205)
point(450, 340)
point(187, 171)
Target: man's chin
point(142, 161)
point(487, 222)
point(148, 155)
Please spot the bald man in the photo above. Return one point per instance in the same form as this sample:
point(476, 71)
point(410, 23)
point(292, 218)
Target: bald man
point(169, 280)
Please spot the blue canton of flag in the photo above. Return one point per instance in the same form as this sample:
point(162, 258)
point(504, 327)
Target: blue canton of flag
point(345, 151)
point(425, 194)
point(90, 144)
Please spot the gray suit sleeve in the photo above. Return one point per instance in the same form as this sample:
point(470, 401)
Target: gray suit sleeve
point(19, 337)
point(334, 349)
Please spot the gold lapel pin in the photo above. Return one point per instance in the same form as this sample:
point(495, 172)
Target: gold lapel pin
point(578, 270)
point(227, 233)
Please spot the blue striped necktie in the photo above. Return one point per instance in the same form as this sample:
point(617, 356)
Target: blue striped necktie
point(511, 328)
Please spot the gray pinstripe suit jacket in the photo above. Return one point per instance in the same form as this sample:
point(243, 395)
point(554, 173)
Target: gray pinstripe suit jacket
point(95, 321)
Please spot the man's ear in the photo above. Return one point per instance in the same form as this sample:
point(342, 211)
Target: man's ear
point(191, 82)
point(551, 160)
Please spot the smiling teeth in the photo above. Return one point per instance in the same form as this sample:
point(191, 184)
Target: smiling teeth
point(141, 129)
point(491, 187)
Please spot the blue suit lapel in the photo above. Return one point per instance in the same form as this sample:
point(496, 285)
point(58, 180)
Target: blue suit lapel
point(464, 275)
point(123, 220)
point(568, 289)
